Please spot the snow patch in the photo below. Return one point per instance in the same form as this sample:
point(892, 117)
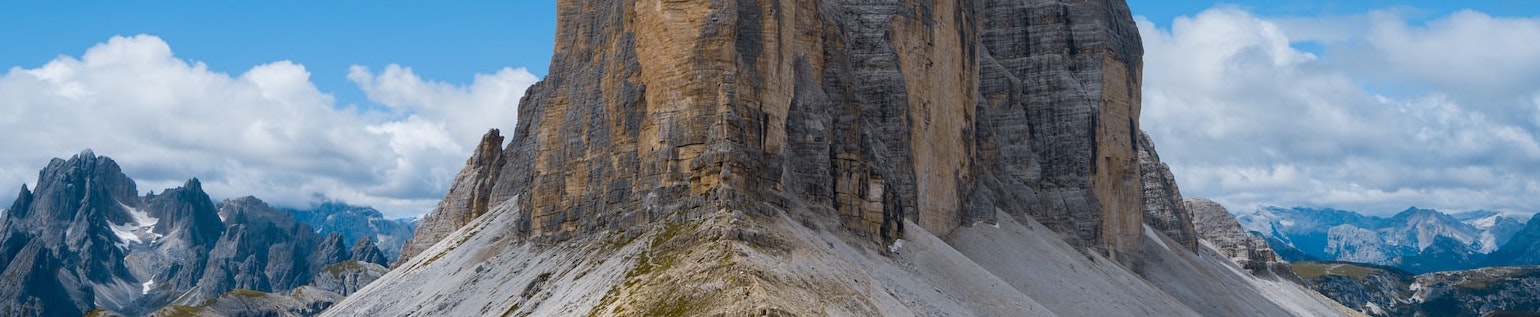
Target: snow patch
point(147, 286)
point(125, 235)
point(136, 231)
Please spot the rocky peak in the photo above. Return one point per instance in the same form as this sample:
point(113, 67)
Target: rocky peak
point(468, 197)
point(1215, 225)
point(331, 250)
point(19, 207)
point(366, 251)
point(186, 212)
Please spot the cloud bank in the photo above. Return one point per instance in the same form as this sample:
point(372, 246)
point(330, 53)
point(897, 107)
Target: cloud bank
point(267, 132)
point(1388, 113)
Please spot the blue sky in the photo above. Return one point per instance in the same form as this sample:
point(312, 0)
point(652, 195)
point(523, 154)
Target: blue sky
point(448, 41)
point(1368, 105)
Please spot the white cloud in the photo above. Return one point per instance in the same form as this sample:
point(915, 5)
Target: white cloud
point(1467, 52)
point(1389, 115)
point(267, 132)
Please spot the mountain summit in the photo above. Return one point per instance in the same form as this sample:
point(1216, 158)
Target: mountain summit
point(847, 157)
point(84, 241)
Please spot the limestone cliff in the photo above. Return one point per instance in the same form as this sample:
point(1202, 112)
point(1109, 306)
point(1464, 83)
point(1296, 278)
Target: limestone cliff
point(1164, 208)
point(1217, 226)
point(467, 198)
point(813, 158)
point(943, 113)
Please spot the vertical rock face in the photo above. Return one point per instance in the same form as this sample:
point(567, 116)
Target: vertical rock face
point(943, 113)
point(1164, 208)
point(737, 157)
point(467, 198)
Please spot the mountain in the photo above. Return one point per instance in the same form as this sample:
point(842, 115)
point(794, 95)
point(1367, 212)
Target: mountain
point(1216, 227)
point(1523, 248)
point(84, 240)
point(844, 157)
point(1387, 291)
point(1415, 240)
point(358, 222)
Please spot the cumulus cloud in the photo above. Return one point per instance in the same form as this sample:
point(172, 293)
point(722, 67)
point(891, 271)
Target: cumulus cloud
point(267, 132)
point(1390, 114)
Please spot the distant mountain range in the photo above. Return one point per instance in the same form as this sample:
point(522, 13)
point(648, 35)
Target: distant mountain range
point(83, 241)
point(1415, 240)
point(358, 222)
point(1387, 291)
point(1418, 262)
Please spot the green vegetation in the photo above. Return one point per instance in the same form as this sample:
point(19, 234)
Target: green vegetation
point(1312, 270)
point(656, 260)
point(246, 293)
point(1308, 270)
point(452, 247)
point(344, 266)
point(182, 311)
point(676, 307)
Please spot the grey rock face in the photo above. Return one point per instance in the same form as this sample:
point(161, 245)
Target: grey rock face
point(344, 278)
point(467, 198)
point(57, 244)
point(365, 251)
point(1216, 225)
point(264, 249)
point(867, 111)
point(1164, 208)
point(1523, 248)
point(1373, 290)
point(85, 241)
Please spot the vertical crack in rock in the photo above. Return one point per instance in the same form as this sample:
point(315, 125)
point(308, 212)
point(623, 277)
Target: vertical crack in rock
point(944, 113)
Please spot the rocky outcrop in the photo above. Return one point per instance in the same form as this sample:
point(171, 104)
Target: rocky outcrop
point(941, 113)
point(1164, 208)
point(365, 251)
point(1215, 225)
point(344, 278)
point(467, 198)
point(785, 158)
point(1373, 290)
